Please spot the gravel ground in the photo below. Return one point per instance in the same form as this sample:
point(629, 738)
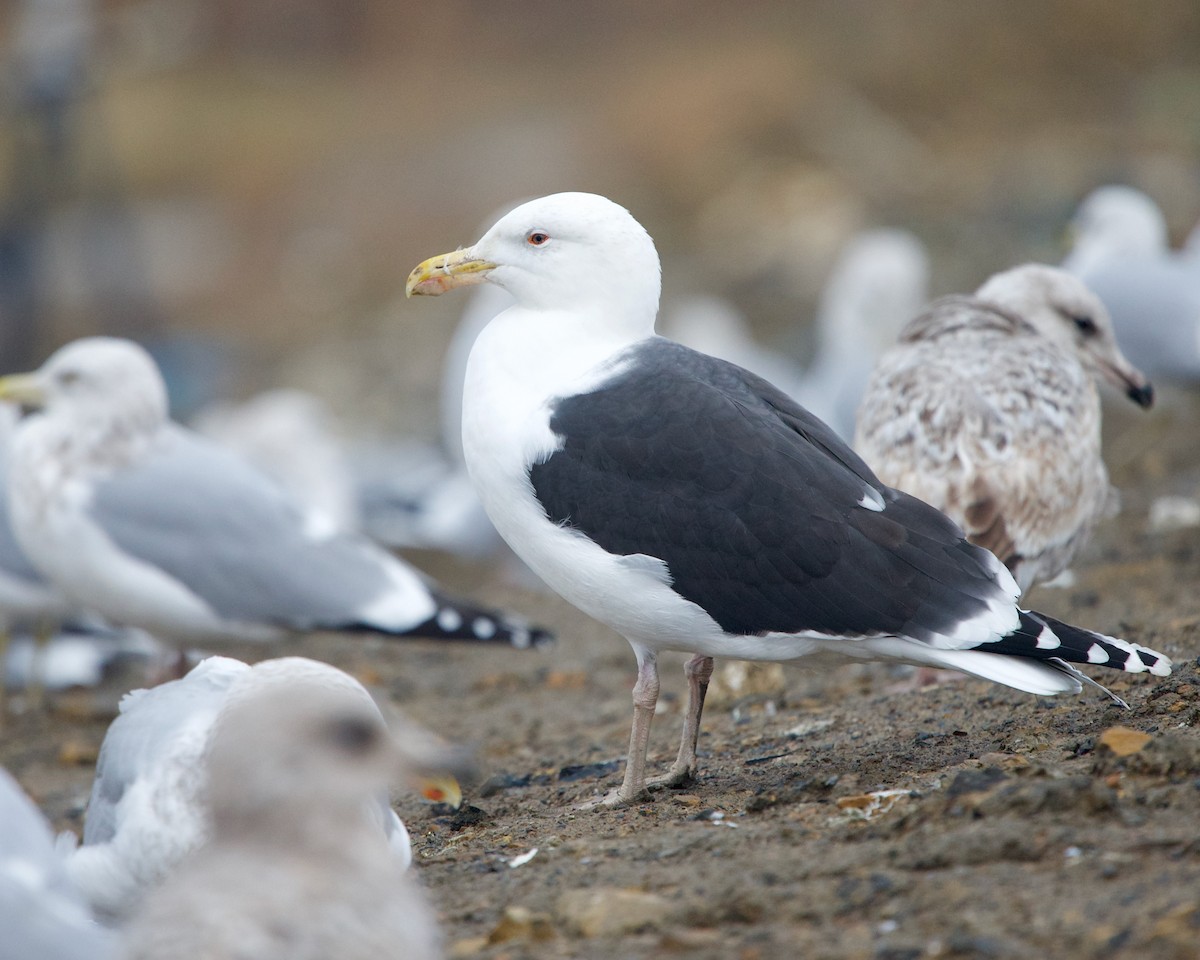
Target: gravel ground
point(838, 813)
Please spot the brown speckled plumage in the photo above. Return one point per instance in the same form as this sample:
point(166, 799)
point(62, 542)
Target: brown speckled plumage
point(987, 408)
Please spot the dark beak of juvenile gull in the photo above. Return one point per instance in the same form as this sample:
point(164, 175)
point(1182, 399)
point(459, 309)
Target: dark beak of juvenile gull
point(446, 271)
point(24, 390)
point(1142, 394)
point(1131, 381)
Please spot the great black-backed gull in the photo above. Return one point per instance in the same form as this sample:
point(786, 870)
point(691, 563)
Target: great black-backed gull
point(149, 805)
point(692, 506)
point(295, 865)
point(149, 524)
point(987, 408)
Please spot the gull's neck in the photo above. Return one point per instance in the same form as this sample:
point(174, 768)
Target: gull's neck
point(553, 352)
point(81, 442)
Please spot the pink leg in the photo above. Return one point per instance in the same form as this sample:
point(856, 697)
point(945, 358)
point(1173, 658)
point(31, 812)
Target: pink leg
point(645, 696)
point(698, 671)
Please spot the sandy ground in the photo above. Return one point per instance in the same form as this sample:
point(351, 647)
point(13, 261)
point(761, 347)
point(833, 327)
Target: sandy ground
point(837, 814)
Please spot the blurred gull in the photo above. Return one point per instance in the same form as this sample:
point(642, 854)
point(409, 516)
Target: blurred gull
point(289, 435)
point(294, 867)
point(879, 283)
point(27, 599)
point(42, 915)
point(419, 495)
point(1122, 253)
point(149, 809)
point(714, 326)
point(79, 654)
point(988, 410)
point(154, 526)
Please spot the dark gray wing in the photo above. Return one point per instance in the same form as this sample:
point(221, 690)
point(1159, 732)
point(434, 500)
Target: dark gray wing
point(234, 539)
point(763, 515)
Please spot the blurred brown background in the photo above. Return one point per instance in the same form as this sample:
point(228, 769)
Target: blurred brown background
point(246, 183)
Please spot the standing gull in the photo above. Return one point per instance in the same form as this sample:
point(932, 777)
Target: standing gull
point(149, 807)
point(987, 408)
point(294, 867)
point(692, 506)
point(152, 525)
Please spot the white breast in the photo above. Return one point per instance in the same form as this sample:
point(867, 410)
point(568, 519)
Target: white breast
point(510, 386)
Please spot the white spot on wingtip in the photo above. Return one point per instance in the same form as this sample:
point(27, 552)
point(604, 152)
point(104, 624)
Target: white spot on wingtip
point(1097, 654)
point(449, 620)
point(521, 637)
point(871, 500)
point(483, 628)
point(1048, 640)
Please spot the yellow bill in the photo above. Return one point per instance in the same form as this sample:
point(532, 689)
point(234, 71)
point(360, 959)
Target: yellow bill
point(24, 389)
point(441, 788)
point(446, 271)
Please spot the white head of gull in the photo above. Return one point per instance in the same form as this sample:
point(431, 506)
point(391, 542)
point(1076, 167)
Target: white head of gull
point(692, 506)
point(151, 525)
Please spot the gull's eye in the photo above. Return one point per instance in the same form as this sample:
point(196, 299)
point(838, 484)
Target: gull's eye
point(537, 238)
point(67, 377)
point(354, 735)
point(1085, 325)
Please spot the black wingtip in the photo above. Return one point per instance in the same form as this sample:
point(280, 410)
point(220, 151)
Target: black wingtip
point(456, 620)
point(1043, 638)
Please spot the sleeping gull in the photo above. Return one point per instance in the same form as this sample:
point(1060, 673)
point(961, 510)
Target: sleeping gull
point(691, 506)
point(987, 408)
point(1122, 253)
point(152, 525)
point(42, 915)
point(148, 807)
point(294, 866)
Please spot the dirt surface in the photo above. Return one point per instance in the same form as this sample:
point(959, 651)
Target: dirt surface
point(837, 814)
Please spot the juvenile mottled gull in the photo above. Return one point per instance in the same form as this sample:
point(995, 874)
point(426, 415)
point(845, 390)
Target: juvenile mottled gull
point(42, 915)
point(295, 868)
point(1152, 292)
point(987, 408)
point(148, 808)
point(152, 525)
point(692, 506)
